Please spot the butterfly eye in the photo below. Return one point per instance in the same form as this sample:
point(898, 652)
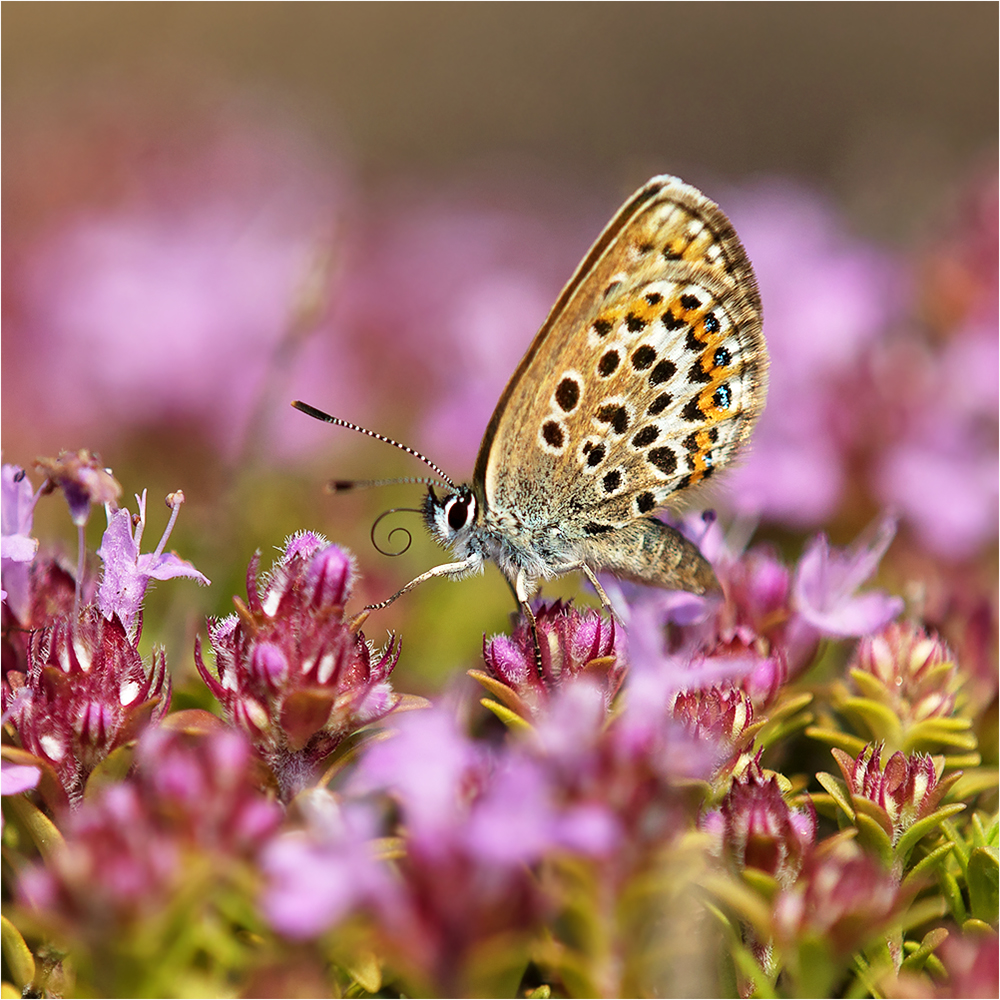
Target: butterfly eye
point(459, 510)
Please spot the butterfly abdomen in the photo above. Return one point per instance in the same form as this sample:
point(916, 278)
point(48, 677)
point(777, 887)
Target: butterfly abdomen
point(649, 551)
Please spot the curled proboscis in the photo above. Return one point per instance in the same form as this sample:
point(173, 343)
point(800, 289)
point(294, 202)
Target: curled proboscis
point(405, 531)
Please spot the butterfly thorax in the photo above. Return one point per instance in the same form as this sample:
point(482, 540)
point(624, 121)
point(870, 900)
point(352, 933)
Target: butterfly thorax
point(462, 522)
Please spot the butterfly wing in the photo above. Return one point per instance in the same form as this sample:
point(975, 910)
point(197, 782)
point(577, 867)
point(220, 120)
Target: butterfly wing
point(647, 376)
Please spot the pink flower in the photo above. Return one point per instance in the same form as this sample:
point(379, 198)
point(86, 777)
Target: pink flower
point(916, 672)
point(191, 811)
point(907, 789)
point(289, 670)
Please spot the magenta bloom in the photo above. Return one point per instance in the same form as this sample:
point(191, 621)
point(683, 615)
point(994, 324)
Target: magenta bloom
point(472, 823)
point(290, 672)
point(828, 299)
point(907, 788)
point(756, 828)
point(719, 714)
point(842, 898)
point(916, 673)
point(86, 692)
point(185, 264)
point(570, 642)
point(317, 876)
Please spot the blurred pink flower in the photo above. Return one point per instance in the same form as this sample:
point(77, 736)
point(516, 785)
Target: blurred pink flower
point(168, 299)
point(317, 875)
point(828, 299)
point(826, 581)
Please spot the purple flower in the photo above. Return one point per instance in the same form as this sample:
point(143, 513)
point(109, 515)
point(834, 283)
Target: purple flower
point(826, 580)
point(318, 875)
point(472, 821)
point(131, 300)
point(83, 480)
point(722, 715)
point(841, 901)
point(126, 572)
point(191, 813)
point(17, 778)
point(909, 670)
point(17, 514)
point(947, 435)
point(972, 963)
point(86, 692)
point(290, 672)
point(430, 766)
point(502, 808)
point(622, 776)
point(17, 548)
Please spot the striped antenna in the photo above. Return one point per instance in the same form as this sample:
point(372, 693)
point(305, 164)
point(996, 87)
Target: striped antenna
point(320, 415)
point(346, 485)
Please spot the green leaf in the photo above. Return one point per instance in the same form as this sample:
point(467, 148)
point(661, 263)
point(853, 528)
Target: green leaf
point(510, 719)
point(874, 812)
point(39, 827)
point(838, 792)
point(962, 761)
point(923, 911)
point(933, 733)
point(984, 898)
point(961, 847)
point(918, 959)
point(543, 992)
point(870, 686)
point(953, 895)
point(928, 865)
point(365, 970)
point(815, 972)
point(872, 836)
point(109, 771)
point(882, 722)
point(762, 883)
point(834, 737)
point(922, 827)
point(982, 837)
point(17, 954)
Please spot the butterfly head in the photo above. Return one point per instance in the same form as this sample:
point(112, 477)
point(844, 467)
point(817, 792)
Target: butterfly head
point(452, 518)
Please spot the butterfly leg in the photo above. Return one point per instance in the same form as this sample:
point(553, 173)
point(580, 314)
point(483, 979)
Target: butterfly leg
point(470, 565)
point(521, 592)
point(601, 593)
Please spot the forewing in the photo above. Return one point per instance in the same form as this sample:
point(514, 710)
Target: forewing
point(647, 376)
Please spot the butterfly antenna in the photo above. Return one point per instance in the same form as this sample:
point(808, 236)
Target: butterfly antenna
point(320, 415)
point(346, 485)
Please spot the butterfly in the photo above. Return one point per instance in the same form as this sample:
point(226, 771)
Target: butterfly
point(645, 379)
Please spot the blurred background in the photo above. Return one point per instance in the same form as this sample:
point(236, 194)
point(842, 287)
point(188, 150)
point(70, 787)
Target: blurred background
point(211, 209)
